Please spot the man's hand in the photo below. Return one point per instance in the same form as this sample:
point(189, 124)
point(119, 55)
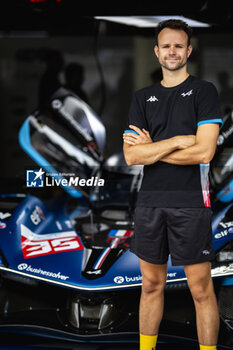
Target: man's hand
point(141, 137)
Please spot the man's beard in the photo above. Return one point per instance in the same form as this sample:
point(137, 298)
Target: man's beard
point(179, 65)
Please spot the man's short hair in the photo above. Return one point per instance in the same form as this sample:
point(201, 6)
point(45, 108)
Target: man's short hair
point(174, 24)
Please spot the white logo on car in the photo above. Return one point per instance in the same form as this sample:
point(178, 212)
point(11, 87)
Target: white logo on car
point(4, 216)
point(119, 279)
point(38, 270)
point(96, 272)
point(127, 279)
point(22, 266)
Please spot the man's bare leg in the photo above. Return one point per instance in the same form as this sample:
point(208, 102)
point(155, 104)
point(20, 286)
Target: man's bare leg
point(152, 297)
point(202, 290)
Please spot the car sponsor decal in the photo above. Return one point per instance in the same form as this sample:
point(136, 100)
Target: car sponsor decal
point(34, 245)
point(225, 228)
point(132, 279)
point(222, 270)
point(37, 215)
point(38, 270)
point(2, 225)
point(4, 216)
point(127, 279)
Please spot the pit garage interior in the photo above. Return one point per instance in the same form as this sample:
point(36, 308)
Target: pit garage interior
point(115, 49)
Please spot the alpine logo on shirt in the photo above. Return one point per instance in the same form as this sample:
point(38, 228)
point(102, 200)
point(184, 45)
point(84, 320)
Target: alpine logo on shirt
point(152, 99)
point(184, 94)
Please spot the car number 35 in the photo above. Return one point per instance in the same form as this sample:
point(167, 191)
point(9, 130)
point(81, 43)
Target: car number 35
point(50, 246)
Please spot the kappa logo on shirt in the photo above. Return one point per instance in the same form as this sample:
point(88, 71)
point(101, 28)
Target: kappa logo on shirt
point(184, 94)
point(152, 99)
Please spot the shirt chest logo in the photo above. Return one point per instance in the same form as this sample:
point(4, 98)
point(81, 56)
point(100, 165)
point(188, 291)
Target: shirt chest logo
point(152, 99)
point(184, 94)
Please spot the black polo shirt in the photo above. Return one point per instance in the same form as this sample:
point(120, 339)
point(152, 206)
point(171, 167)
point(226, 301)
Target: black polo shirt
point(167, 112)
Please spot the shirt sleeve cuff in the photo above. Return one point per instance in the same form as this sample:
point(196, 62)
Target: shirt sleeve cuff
point(126, 131)
point(218, 120)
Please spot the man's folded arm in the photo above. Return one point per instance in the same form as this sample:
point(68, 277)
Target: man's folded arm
point(149, 153)
point(201, 152)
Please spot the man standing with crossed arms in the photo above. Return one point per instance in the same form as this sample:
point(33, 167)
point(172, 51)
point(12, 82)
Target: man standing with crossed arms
point(173, 128)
